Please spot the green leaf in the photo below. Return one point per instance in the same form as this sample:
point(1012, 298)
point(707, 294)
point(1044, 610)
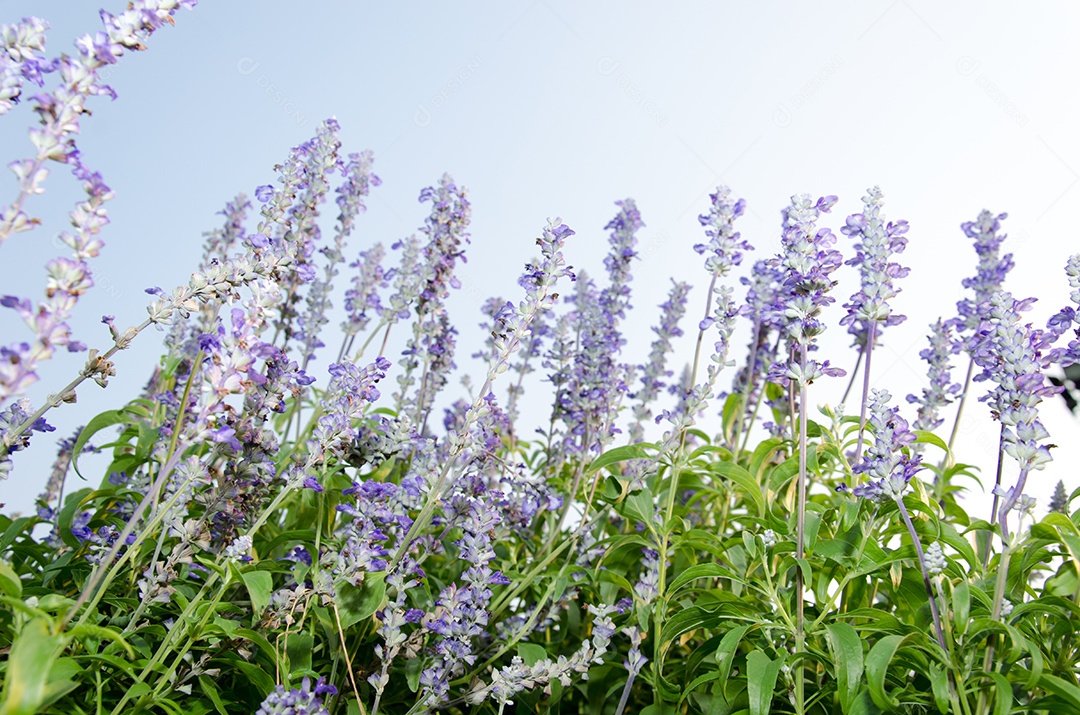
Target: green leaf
point(725, 652)
point(961, 603)
point(357, 604)
point(298, 648)
point(260, 584)
point(847, 652)
point(690, 619)
point(877, 665)
point(531, 652)
point(697, 683)
point(939, 683)
point(102, 633)
point(12, 532)
point(259, 640)
point(98, 423)
point(700, 571)
point(745, 481)
point(1064, 690)
point(621, 454)
point(925, 437)
point(209, 688)
point(255, 674)
point(639, 506)
point(72, 502)
point(31, 659)
point(761, 672)
point(9, 581)
point(1003, 702)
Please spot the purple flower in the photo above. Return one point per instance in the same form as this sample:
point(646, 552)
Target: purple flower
point(989, 275)
point(1067, 318)
point(807, 261)
point(594, 381)
point(941, 390)
point(655, 371)
point(1010, 355)
point(877, 242)
point(298, 701)
point(264, 193)
point(885, 464)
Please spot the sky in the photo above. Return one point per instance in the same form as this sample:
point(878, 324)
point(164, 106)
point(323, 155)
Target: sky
point(558, 108)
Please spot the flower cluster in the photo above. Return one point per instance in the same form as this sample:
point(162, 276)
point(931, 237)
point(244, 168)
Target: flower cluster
point(877, 242)
point(595, 382)
point(1009, 353)
point(59, 112)
point(989, 275)
point(1067, 318)
point(655, 371)
point(20, 59)
point(461, 614)
point(886, 464)
point(942, 389)
point(304, 700)
point(808, 260)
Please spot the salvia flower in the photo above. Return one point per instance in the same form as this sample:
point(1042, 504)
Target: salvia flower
point(942, 389)
point(1059, 502)
point(596, 382)
point(989, 275)
point(726, 246)
point(876, 243)
point(655, 371)
point(304, 700)
point(808, 261)
point(508, 681)
point(1010, 354)
point(461, 611)
point(21, 59)
point(1067, 318)
point(885, 464)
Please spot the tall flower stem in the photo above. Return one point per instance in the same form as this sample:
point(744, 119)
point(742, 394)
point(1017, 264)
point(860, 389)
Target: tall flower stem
point(865, 388)
point(985, 548)
point(899, 499)
point(744, 394)
point(800, 538)
point(854, 374)
point(960, 409)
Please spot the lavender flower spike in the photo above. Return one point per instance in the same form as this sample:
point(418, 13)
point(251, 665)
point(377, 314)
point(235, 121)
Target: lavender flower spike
point(941, 390)
point(1068, 317)
point(1010, 354)
point(877, 241)
point(893, 469)
point(808, 261)
point(990, 273)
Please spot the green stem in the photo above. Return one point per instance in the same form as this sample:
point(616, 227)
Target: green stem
point(800, 544)
point(865, 389)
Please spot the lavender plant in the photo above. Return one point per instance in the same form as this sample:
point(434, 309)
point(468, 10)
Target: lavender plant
point(270, 535)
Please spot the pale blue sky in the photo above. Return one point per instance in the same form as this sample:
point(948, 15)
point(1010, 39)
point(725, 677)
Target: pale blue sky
point(560, 108)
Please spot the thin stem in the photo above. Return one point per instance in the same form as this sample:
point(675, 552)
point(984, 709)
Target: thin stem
point(865, 388)
point(103, 575)
point(800, 544)
point(925, 574)
point(854, 374)
point(348, 660)
point(757, 404)
point(625, 694)
point(960, 407)
point(746, 389)
point(67, 394)
point(997, 484)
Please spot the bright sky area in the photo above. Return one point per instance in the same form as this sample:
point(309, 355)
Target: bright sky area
point(554, 107)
